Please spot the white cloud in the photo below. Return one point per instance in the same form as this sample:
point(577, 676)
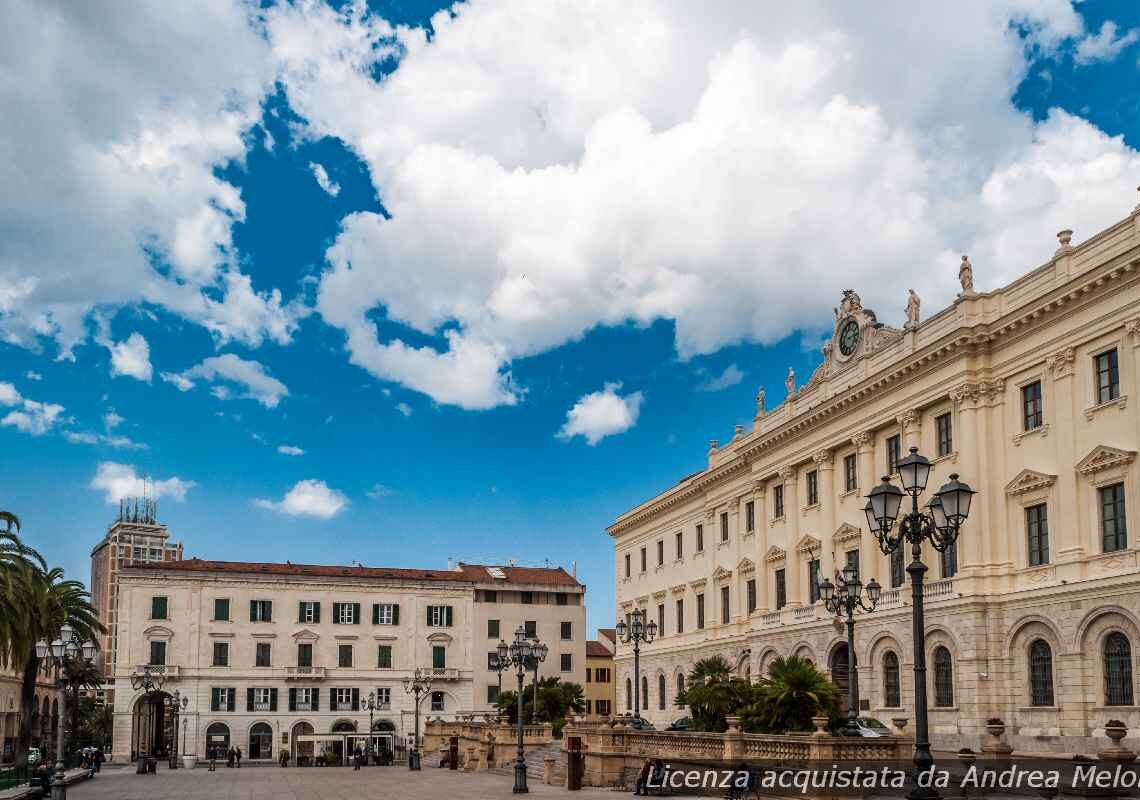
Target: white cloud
point(118, 442)
point(33, 376)
point(78, 437)
point(311, 498)
point(322, 176)
point(601, 414)
point(131, 357)
point(251, 377)
point(730, 377)
point(122, 480)
point(115, 164)
point(377, 491)
point(290, 450)
point(112, 420)
point(9, 396)
point(1105, 45)
point(29, 416)
point(404, 409)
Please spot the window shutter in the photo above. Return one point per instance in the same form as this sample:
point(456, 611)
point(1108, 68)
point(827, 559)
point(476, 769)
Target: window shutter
point(249, 699)
point(316, 612)
point(336, 614)
point(429, 608)
point(301, 612)
point(215, 700)
point(292, 699)
point(447, 616)
point(355, 699)
point(316, 693)
point(231, 699)
point(272, 699)
point(356, 613)
point(395, 613)
point(375, 613)
point(253, 611)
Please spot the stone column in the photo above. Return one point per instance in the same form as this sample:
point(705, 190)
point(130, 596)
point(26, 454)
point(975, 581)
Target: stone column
point(1066, 406)
point(792, 523)
point(761, 550)
point(910, 423)
point(825, 464)
point(871, 559)
point(967, 398)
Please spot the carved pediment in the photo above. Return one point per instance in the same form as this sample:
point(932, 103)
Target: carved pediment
point(643, 600)
point(720, 574)
point(1104, 457)
point(846, 533)
point(627, 605)
point(699, 583)
point(158, 632)
point(659, 596)
point(678, 589)
point(808, 545)
point(306, 635)
point(1029, 480)
point(745, 566)
point(441, 637)
point(775, 554)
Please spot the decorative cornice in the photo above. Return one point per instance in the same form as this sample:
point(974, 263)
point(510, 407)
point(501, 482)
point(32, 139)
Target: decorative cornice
point(863, 440)
point(1029, 480)
point(787, 474)
point(1104, 457)
point(746, 566)
point(823, 458)
point(1132, 327)
point(678, 589)
point(659, 595)
point(775, 554)
point(846, 533)
point(808, 545)
point(1061, 362)
point(976, 394)
point(699, 583)
point(721, 574)
point(909, 419)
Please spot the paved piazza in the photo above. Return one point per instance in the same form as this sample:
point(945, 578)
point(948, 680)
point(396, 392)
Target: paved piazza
point(341, 783)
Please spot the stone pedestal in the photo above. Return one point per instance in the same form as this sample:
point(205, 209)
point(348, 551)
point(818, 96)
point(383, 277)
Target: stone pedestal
point(548, 770)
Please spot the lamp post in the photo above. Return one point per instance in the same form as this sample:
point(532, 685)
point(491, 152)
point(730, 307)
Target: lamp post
point(636, 632)
point(845, 599)
point(66, 645)
point(519, 654)
point(499, 666)
point(940, 523)
point(176, 703)
point(417, 685)
point(538, 655)
point(151, 679)
point(370, 704)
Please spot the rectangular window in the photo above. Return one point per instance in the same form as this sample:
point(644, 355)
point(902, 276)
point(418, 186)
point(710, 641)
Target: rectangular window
point(346, 613)
point(850, 473)
point(1112, 524)
point(851, 559)
point(679, 541)
point(778, 502)
point(527, 598)
point(627, 573)
point(383, 656)
point(724, 527)
point(345, 699)
point(221, 654)
point(1107, 377)
point(492, 629)
point(384, 697)
point(566, 631)
point(700, 611)
point(263, 655)
point(344, 655)
point(813, 580)
point(1037, 529)
point(700, 538)
point(1032, 409)
point(602, 707)
point(530, 629)
point(750, 594)
point(308, 612)
point(492, 695)
point(561, 599)
point(680, 616)
point(601, 675)
point(948, 559)
point(157, 653)
point(944, 431)
point(221, 609)
point(894, 448)
point(781, 589)
point(724, 607)
point(437, 701)
point(439, 656)
point(439, 616)
point(566, 662)
point(661, 619)
point(222, 699)
point(812, 488)
point(661, 552)
point(158, 608)
point(644, 562)
point(301, 700)
point(304, 654)
point(385, 614)
point(261, 699)
point(750, 516)
point(260, 610)
point(898, 569)
point(493, 661)
point(490, 596)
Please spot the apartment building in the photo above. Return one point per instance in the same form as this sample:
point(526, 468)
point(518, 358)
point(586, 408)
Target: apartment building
point(601, 695)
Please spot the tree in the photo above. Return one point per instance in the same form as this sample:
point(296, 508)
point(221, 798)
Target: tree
point(786, 699)
point(555, 700)
point(96, 721)
point(78, 675)
point(711, 693)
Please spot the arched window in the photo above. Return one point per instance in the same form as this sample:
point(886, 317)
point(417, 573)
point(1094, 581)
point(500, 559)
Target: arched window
point(1040, 673)
point(943, 678)
point(644, 693)
point(661, 692)
point(628, 695)
point(680, 682)
point(217, 740)
point(1117, 670)
point(260, 742)
point(892, 693)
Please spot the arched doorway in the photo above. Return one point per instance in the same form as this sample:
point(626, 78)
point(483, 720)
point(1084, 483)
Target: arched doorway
point(260, 741)
point(302, 751)
point(342, 726)
point(839, 663)
point(217, 740)
point(152, 729)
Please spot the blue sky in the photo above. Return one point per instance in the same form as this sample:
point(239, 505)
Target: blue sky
point(556, 249)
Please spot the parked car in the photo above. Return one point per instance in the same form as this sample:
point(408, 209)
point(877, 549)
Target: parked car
point(641, 724)
point(871, 728)
point(33, 756)
point(682, 724)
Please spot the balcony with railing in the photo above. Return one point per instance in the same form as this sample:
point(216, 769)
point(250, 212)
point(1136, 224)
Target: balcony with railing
point(444, 674)
point(304, 673)
point(939, 590)
point(166, 671)
point(771, 619)
point(261, 706)
point(803, 613)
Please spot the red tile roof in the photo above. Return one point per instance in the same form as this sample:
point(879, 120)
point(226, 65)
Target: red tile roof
point(537, 576)
point(595, 649)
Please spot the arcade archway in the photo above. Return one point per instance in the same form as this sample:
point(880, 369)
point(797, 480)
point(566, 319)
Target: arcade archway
point(152, 727)
point(217, 740)
point(839, 662)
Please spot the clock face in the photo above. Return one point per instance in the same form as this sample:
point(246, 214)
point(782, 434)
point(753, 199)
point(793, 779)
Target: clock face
point(848, 337)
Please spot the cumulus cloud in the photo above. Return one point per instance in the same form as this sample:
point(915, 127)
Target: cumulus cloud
point(118, 442)
point(117, 481)
point(377, 491)
point(404, 409)
point(28, 416)
point(601, 414)
point(1105, 45)
point(730, 377)
point(131, 357)
point(290, 450)
point(251, 378)
point(309, 498)
point(33, 376)
point(323, 180)
point(112, 420)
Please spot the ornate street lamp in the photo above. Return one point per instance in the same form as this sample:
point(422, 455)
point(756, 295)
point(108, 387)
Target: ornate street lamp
point(418, 685)
point(538, 655)
point(65, 646)
point(520, 654)
point(844, 599)
point(500, 666)
point(636, 632)
point(371, 704)
point(941, 523)
point(175, 703)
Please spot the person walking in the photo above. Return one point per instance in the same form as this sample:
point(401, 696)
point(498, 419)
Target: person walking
point(99, 758)
point(237, 753)
point(230, 756)
point(640, 788)
point(213, 756)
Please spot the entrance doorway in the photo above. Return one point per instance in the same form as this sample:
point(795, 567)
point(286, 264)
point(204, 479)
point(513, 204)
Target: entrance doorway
point(152, 728)
point(302, 749)
point(217, 741)
point(839, 663)
point(261, 741)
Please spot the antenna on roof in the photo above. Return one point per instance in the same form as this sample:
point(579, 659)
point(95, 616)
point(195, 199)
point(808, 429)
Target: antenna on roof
point(356, 563)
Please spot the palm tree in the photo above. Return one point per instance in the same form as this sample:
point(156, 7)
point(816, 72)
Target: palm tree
point(791, 694)
point(78, 674)
point(711, 693)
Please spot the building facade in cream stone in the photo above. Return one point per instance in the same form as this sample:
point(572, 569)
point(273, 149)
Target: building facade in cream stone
point(279, 657)
point(1029, 392)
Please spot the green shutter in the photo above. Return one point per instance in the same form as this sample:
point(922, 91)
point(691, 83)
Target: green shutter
point(249, 699)
point(375, 613)
point(316, 613)
point(395, 613)
point(316, 693)
point(231, 699)
point(447, 616)
point(253, 611)
point(355, 699)
point(356, 613)
point(272, 699)
point(429, 608)
point(438, 657)
point(292, 699)
point(336, 614)
point(215, 700)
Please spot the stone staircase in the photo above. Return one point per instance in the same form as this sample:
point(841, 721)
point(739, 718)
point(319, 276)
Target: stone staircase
point(536, 763)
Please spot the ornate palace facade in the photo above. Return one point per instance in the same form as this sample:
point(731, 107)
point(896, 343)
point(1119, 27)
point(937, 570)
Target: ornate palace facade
point(1034, 618)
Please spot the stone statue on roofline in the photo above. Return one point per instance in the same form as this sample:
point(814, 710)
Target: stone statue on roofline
point(966, 277)
point(912, 309)
point(790, 381)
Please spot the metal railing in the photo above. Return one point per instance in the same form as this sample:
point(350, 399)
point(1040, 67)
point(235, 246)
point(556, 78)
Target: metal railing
point(936, 590)
point(304, 673)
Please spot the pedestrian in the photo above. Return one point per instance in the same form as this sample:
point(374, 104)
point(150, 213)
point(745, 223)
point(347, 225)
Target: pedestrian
point(643, 779)
point(230, 756)
point(284, 759)
point(356, 759)
point(213, 754)
point(237, 753)
point(99, 758)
